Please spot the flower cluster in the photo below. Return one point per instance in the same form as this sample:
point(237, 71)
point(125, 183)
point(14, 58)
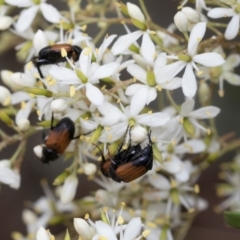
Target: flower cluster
point(95, 93)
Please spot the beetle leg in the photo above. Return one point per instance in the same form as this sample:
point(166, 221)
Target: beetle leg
point(52, 119)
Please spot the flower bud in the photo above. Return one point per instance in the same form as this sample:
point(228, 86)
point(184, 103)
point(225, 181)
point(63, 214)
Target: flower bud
point(6, 78)
point(192, 15)
point(23, 124)
point(5, 96)
point(58, 106)
point(29, 216)
point(5, 22)
point(61, 178)
point(181, 21)
point(42, 234)
point(89, 168)
point(204, 93)
point(22, 80)
point(38, 151)
point(103, 198)
point(135, 12)
point(138, 134)
point(69, 189)
point(39, 41)
point(82, 228)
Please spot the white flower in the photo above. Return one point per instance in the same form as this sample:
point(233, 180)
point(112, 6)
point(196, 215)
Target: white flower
point(27, 16)
point(149, 78)
point(102, 230)
point(131, 114)
point(201, 113)
point(90, 74)
point(199, 5)
point(44, 209)
point(223, 72)
point(230, 188)
point(9, 176)
point(59, 106)
point(233, 26)
point(5, 96)
point(42, 234)
point(68, 190)
point(135, 12)
point(5, 21)
point(83, 228)
point(189, 83)
point(181, 21)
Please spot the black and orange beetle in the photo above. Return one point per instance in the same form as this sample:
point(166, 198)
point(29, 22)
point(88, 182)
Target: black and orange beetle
point(52, 55)
point(57, 140)
point(129, 164)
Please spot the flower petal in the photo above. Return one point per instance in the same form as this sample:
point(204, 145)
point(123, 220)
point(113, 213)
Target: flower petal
point(125, 41)
point(159, 62)
point(187, 107)
point(221, 12)
point(232, 28)
point(39, 41)
point(192, 146)
point(135, 12)
point(94, 95)
point(147, 48)
point(232, 61)
point(205, 112)
point(209, 59)
point(64, 75)
point(153, 120)
point(25, 19)
point(196, 36)
point(232, 78)
point(133, 229)
point(85, 61)
point(42, 234)
point(189, 83)
point(5, 22)
point(152, 95)
point(50, 13)
point(105, 71)
point(68, 190)
point(138, 101)
point(137, 72)
point(159, 181)
point(132, 89)
point(102, 49)
point(105, 230)
point(167, 73)
point(173, 84)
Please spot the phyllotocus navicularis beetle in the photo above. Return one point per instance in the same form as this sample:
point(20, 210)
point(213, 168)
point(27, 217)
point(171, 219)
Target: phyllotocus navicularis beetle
point(52, 55)
point(129, 164)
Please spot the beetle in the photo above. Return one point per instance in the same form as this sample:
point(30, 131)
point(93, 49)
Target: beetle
point(57, 140)
point(129, 164)
point(52, 55)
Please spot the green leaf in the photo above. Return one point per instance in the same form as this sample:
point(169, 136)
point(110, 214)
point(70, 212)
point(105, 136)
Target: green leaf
point(232, 218)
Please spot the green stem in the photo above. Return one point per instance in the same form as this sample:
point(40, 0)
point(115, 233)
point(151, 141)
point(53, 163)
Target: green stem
point(217, 24)
point(171, 100)
point(214, 29)
point(20, 150)
point(100, 34)
point(145, 11)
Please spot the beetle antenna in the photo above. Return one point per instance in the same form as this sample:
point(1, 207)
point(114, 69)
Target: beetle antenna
point(120, 147)
point(149, 138)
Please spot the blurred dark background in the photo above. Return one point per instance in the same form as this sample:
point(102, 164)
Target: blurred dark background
point(208, 224)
